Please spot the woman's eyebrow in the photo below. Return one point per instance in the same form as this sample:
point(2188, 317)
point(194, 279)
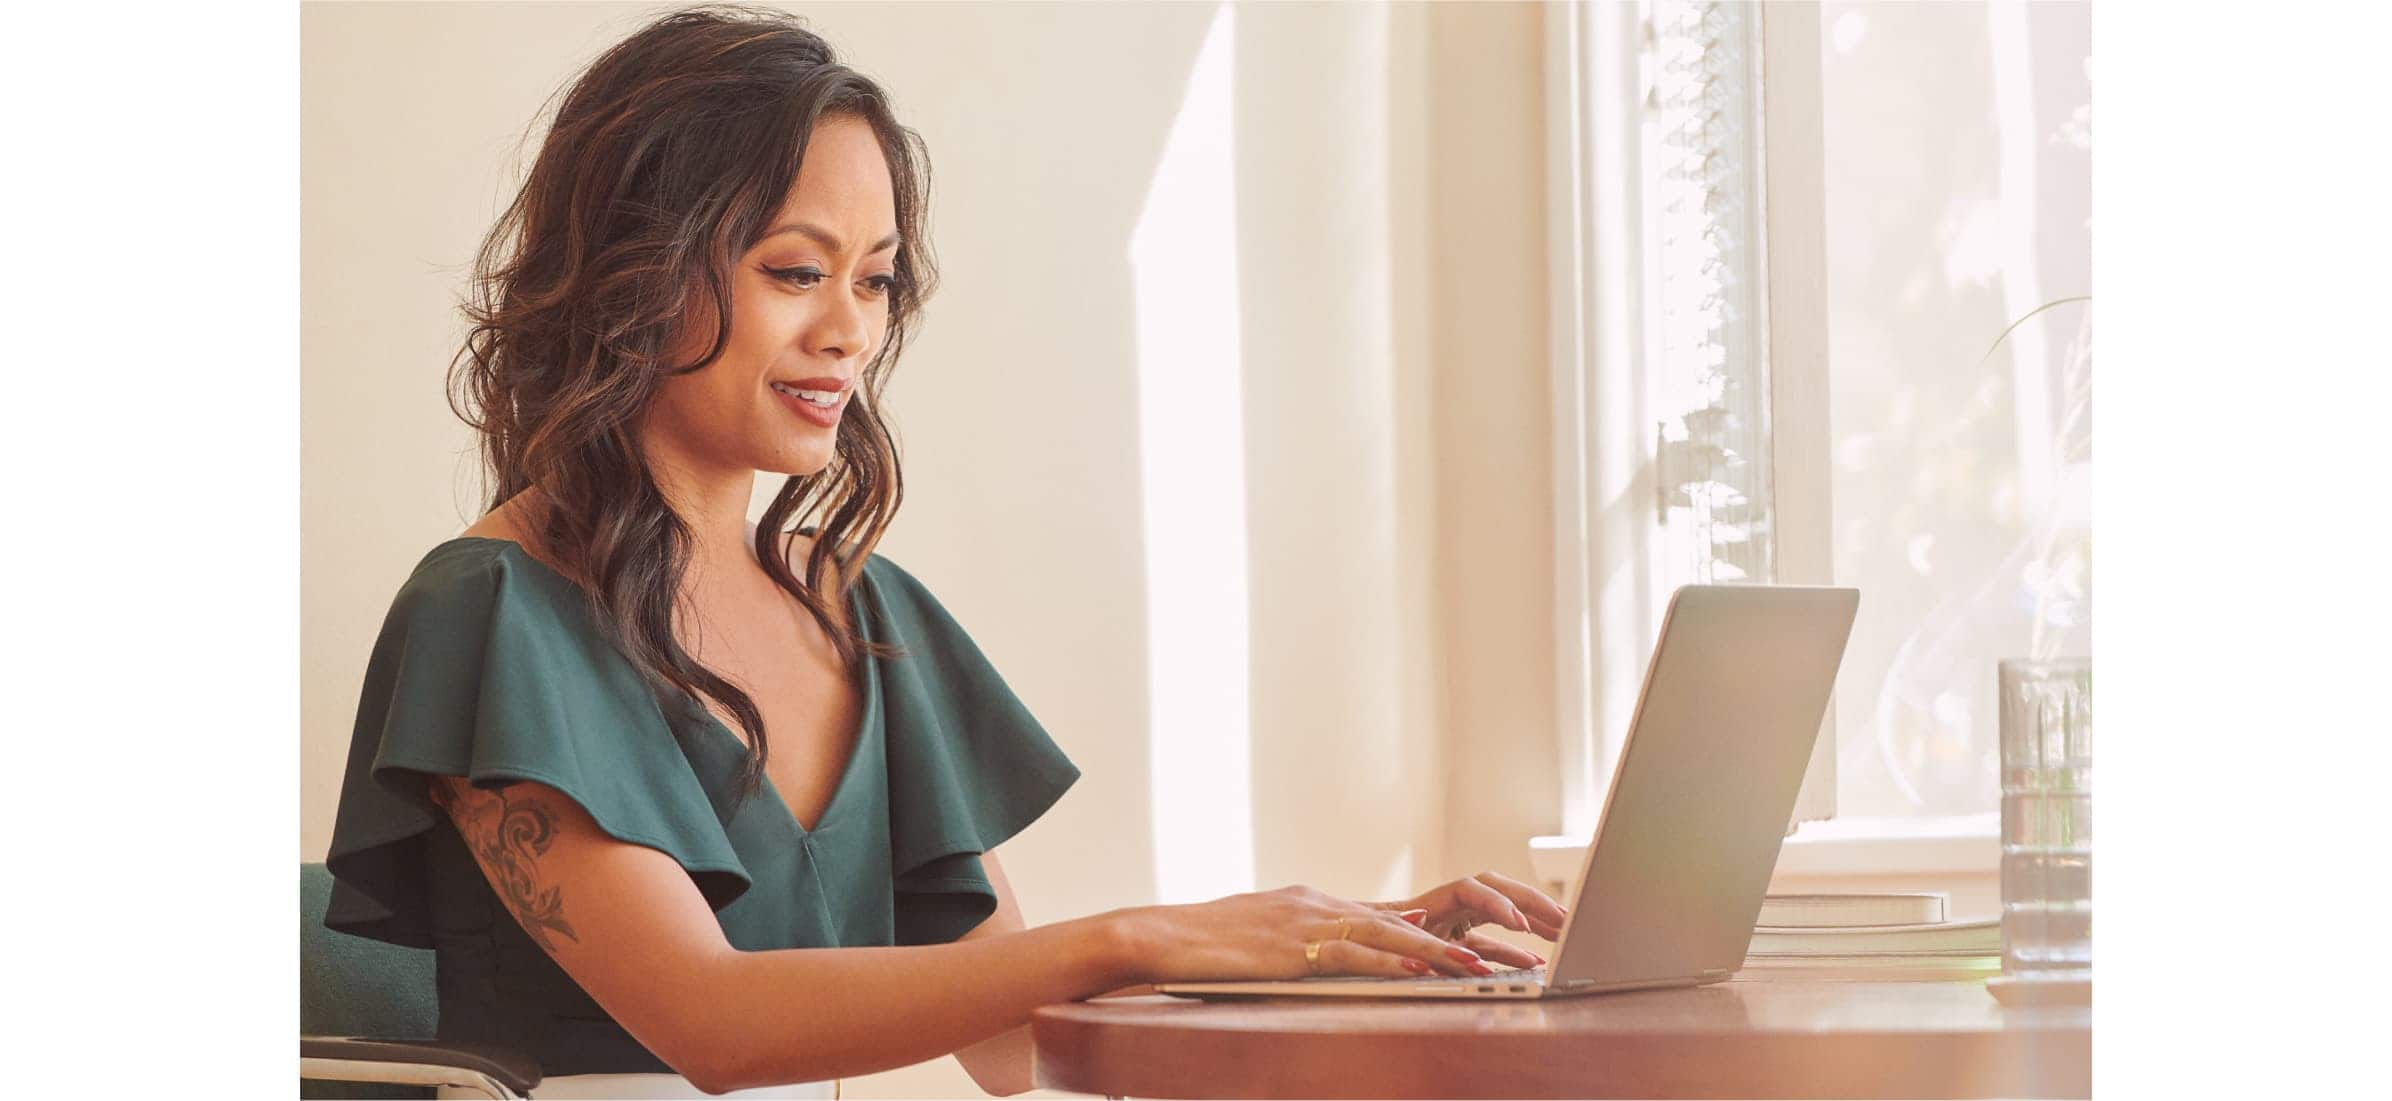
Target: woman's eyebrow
point(830, 240)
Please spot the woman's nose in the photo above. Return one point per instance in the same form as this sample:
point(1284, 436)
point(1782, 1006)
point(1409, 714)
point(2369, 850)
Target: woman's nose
point(843, 330)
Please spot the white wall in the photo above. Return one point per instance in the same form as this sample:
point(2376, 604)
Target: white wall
point(1390, 292)
point(1493, 478)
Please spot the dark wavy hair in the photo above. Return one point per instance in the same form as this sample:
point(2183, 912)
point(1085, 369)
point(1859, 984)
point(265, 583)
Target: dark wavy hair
point(664, 163)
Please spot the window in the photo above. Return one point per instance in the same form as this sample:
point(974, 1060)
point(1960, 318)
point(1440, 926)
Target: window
point(1958, 185)
point(1789, 237)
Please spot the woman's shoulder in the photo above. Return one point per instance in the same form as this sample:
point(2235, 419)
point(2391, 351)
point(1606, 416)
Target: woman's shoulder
point(465, 587)
point(486, 656)
point(474, 562)
point(502, 539)
point(490, 668)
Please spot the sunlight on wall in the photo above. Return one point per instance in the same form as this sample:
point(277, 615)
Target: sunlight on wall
point(1191, 432)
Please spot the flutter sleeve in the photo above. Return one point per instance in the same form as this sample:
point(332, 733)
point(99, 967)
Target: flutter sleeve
point(969, 766)
point(489, 667)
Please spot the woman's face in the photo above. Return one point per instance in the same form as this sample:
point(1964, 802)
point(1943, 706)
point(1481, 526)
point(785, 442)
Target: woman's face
point(809, 306)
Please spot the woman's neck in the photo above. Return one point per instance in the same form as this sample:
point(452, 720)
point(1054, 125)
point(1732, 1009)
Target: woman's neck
point(714, 504)
point(714, 510)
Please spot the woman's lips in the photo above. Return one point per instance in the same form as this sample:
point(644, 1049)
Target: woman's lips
point(826, 416)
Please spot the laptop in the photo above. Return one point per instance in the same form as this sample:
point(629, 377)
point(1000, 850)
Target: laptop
point(1732, 702)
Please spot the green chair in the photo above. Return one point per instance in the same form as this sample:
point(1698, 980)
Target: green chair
point(368, 1012)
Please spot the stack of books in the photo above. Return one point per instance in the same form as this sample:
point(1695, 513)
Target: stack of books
point(1897, 937)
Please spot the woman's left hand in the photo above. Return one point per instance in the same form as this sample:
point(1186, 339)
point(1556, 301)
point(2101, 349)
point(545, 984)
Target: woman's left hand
point(1488, 898)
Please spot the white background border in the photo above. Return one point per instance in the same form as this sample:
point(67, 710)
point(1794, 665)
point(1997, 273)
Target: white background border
point(2242, 392)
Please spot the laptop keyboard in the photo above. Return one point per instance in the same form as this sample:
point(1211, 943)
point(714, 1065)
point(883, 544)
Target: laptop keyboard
point(1515, 974)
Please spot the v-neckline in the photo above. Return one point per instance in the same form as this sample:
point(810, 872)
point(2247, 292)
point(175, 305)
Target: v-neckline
point(866, 719)
point(865, 722)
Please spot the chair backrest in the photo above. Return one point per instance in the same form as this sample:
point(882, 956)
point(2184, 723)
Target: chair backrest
point(353, 986)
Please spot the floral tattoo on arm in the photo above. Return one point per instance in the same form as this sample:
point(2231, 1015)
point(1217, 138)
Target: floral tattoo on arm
point(508, 835)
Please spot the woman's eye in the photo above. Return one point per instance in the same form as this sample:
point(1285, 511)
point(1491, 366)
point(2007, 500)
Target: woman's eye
point(805, 278)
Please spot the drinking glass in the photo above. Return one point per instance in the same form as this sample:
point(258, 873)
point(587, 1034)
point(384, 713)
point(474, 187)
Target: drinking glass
point(2047, 819)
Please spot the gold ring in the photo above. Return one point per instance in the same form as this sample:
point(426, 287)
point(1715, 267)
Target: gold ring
point(1343, 930)
point(1312, 956)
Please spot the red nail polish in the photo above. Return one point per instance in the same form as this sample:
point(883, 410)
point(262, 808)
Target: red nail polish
point(1415, 966)
point(1461, 954)
point(1482, 969)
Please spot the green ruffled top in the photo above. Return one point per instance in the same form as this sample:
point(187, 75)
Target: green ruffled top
point(491, 666)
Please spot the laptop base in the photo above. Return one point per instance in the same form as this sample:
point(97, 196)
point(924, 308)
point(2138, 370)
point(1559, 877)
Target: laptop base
point(1524, 985)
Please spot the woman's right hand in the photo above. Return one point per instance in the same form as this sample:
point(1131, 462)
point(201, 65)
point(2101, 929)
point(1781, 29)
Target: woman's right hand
point(1262, 936)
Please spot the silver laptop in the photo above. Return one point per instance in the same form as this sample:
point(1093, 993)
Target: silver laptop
point(1732, 702)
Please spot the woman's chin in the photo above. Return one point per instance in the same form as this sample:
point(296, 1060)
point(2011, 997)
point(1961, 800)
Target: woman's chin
point(804, 465)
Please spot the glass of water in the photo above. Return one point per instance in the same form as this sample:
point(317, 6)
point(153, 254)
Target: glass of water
point(2047, 819)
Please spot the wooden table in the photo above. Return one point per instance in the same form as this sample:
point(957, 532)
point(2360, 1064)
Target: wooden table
point(1734, 1039)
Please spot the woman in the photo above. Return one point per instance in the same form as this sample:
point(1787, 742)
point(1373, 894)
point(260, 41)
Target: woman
point(677, 813)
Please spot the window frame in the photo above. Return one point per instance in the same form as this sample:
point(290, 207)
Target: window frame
point(1606, 584)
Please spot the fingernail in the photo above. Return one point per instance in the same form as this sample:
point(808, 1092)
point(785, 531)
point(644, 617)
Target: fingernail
point(1482, 969)
point(1520, 920)
point(1540, 959)
point(1461, 954)
point(1415, 966)
point(1416, 917)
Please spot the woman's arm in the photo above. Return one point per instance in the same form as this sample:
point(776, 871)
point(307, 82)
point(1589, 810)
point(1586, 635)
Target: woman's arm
point(1001, 1063)
point(628, 925)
